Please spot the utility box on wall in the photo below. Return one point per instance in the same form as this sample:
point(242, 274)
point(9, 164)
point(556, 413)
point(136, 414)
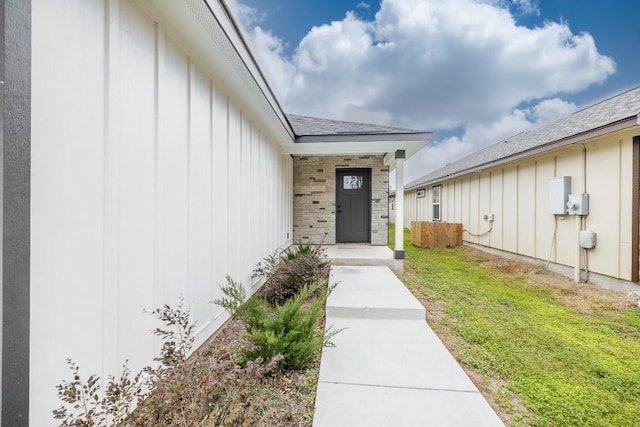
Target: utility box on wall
point(559, 189)
point(578, 204)
point(587, 239)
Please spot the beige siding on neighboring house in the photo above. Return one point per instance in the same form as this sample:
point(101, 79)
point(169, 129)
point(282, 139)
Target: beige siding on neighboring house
point(496, 207)
point(518, 195)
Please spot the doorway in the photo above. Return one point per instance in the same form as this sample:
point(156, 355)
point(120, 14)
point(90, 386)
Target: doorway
point(353, 205)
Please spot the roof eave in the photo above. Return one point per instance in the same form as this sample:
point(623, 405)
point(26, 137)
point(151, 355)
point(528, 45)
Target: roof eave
point(376, 144)
point(620, 125)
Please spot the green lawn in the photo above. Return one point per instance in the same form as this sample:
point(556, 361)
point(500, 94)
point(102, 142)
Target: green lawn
point(548, 355)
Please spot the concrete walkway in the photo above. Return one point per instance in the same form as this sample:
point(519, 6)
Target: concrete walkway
point(388, 368)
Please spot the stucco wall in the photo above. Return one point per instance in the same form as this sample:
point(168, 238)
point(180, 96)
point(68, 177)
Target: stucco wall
point(150, 181)
point(314, 186)
point(518, 195)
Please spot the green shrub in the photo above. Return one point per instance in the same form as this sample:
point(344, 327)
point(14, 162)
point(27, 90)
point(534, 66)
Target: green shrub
point(289, 330)
point(301, 265)
point(300, 248)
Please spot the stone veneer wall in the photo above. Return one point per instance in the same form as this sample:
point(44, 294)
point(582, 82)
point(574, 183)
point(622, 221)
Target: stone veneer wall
point(314, 198)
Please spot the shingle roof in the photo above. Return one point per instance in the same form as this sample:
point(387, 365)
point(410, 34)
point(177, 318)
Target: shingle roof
point(616, 109)
point(312, 126)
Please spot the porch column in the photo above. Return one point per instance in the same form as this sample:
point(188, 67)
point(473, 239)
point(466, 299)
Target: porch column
point(399, 248)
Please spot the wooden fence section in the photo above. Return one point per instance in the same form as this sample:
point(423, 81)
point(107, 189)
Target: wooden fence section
point(432, 234)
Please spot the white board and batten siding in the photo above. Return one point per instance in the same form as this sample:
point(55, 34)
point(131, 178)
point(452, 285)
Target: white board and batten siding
point(149, 183)
point(517, 194)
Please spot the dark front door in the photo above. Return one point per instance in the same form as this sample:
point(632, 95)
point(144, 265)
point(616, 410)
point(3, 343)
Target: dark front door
point(353, 205)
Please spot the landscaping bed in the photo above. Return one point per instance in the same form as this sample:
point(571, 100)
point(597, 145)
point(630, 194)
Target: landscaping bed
point(259, 369)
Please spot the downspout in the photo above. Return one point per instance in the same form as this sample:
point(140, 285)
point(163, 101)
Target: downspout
point(579, 219)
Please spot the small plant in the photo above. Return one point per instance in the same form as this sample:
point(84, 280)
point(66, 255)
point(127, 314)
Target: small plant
point(182, 390)
point(301, 265)
point(84, 406)
point(299, 249)
point(289, 330)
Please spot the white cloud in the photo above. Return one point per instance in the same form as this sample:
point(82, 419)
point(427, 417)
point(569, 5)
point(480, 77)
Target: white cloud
point(435, 65)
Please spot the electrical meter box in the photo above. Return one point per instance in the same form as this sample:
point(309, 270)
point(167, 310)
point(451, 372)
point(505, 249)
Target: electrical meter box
point(587, 239)
point(578, 204)
point(559, 189)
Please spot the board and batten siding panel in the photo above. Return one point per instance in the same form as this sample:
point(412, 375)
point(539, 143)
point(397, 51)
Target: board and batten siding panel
point(220, 191)
point(484, 208)
point(136, 183)
point(449, 206)
point(457, 189)
point(67, 196)
point(526, 209)
point(409, 205)
point(544, 220)
point(604, 193)
point(496, 207)
point(626, 200)
point(173, 173)
point(141, 177)
point(464, 205)
point(473, 210)
point(235, 185)
point(243, 213)
point(568, 163)
point(263, 188)
point(510, 209)
point(254, 196)
point(423, 204)
point(200, 197)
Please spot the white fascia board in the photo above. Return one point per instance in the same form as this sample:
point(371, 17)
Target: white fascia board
point(210, 36)
point(351, 147)
point(387, 148)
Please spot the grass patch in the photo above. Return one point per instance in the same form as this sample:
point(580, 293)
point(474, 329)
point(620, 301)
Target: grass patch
point(547, 355)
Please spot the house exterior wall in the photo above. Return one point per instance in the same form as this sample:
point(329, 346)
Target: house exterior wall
point(149, 183)
point(314, 191)
point(518, 195)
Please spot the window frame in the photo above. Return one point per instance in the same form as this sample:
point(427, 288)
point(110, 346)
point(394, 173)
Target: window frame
point(436, 204)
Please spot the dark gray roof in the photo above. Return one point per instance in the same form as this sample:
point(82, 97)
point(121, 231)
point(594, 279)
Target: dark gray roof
point(309, 129)
point(603, 114)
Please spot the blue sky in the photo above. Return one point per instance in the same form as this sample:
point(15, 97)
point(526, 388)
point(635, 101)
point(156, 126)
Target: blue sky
point(471, 71)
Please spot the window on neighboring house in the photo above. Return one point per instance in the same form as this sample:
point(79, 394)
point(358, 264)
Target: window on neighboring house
point(436, 202)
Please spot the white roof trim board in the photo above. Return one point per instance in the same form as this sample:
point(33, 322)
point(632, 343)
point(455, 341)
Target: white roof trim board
point(613, 114)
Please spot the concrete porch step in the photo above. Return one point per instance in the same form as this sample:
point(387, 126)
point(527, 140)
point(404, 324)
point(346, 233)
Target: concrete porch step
point(363, 255)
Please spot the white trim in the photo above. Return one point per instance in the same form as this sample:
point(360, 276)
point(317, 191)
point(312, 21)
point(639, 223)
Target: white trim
point(111, 184)
point(399, 200)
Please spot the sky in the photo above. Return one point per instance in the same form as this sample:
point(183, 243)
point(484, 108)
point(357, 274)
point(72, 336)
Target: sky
point(473, 72)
